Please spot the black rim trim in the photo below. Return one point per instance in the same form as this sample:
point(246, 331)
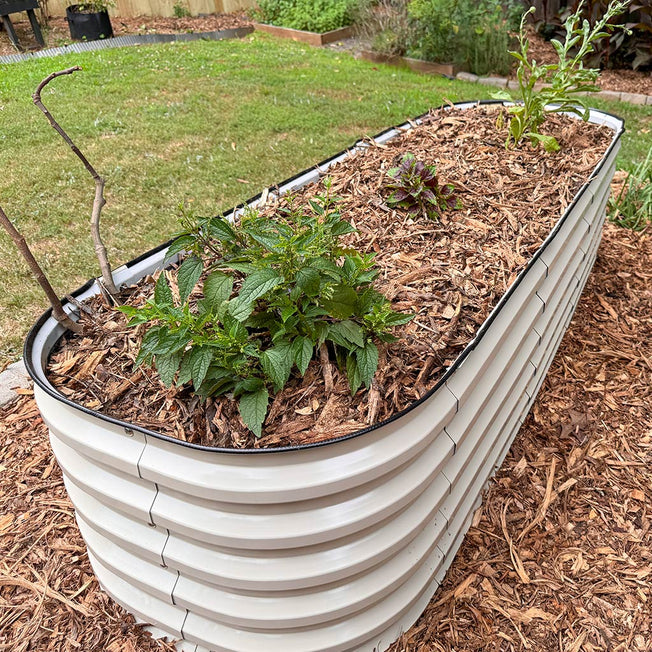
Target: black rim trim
point(49, 389)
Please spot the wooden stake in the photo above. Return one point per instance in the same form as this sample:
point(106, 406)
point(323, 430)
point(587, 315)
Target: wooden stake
point(99, 201)
point(57, 309)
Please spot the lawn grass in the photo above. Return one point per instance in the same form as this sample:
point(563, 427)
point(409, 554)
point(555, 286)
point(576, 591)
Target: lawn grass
point(206, 123)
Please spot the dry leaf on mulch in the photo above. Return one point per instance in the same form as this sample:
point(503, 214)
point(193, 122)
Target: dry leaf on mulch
point(573, 499)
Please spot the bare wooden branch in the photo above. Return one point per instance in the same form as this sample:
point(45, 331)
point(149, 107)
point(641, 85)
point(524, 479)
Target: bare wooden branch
point(99, 201)
point(57, 309)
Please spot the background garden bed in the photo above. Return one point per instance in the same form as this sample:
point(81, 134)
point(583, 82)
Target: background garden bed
point(312, 38)
point(418, 65)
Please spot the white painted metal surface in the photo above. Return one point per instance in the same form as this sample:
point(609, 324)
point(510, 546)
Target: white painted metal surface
point(336, 547)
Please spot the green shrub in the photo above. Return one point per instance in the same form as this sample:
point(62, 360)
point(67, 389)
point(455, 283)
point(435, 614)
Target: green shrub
point(474, 35)
point(93, 6)
point(180, 10)
point(276, 291)
point(310, 15)
point(385, 25)
point(632, 207)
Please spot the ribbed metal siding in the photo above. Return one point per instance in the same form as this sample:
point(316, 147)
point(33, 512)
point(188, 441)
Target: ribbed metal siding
point(337, 547)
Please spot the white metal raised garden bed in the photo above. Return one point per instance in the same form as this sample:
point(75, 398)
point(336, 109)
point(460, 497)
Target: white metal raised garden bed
point(336, 546)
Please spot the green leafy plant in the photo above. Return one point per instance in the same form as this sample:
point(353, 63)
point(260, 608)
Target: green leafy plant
point(632, 207)
point(276, 291)
point(564, 82)
point(180, 10)
point(311, 15)
point(621, 49)
point(471, 34)
point(385, 25)
point(416, 188)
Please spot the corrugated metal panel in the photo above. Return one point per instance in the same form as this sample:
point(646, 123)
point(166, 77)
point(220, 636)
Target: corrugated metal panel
point(132, 534)
point(109, 485)
point(335, 547)
point(506, 390)
point(508, 356)
point(556, 320)
point(143, 605)
point(316, 472)
point(298, 524)
point(290, 609)
point(153, 579)
point(308, 566)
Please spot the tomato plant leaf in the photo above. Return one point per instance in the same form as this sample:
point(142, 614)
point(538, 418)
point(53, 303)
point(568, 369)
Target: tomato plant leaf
point(162, 292)
point(302, 350)
point(253, 287)
point(167, 366)
point(277, 364)
point(349, 331)
point(341, 303)
point(200, 360)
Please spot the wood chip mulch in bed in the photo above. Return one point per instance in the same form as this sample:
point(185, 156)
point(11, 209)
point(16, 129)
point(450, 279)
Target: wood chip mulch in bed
point(559, 557)
point(448, 273)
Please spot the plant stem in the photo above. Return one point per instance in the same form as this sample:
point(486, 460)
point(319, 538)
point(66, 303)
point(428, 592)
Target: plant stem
point(326, 368)
point(57, 309)
point(99, 201)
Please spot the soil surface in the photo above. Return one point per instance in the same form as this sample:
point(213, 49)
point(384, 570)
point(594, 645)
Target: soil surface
point(58, 33)
point(628, 81)
point(558, 557)
point(448, 273)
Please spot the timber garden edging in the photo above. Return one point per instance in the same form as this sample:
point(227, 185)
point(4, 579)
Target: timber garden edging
point(312, 38)
point(337, 546)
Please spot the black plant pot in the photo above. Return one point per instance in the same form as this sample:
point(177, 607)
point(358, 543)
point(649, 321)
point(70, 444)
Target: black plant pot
point(88, 26)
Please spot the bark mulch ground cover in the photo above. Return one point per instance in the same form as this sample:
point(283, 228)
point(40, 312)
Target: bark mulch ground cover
point(559, 557)
point(57, 33)
point(449, 273)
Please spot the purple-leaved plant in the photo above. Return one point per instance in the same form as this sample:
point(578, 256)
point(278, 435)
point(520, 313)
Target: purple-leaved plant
point(416, 188)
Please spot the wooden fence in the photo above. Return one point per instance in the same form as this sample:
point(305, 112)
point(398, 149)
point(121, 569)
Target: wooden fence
point(545, 9)
point(131, 8)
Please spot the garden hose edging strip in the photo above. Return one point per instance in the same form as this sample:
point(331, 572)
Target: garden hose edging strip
point(125, 41)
